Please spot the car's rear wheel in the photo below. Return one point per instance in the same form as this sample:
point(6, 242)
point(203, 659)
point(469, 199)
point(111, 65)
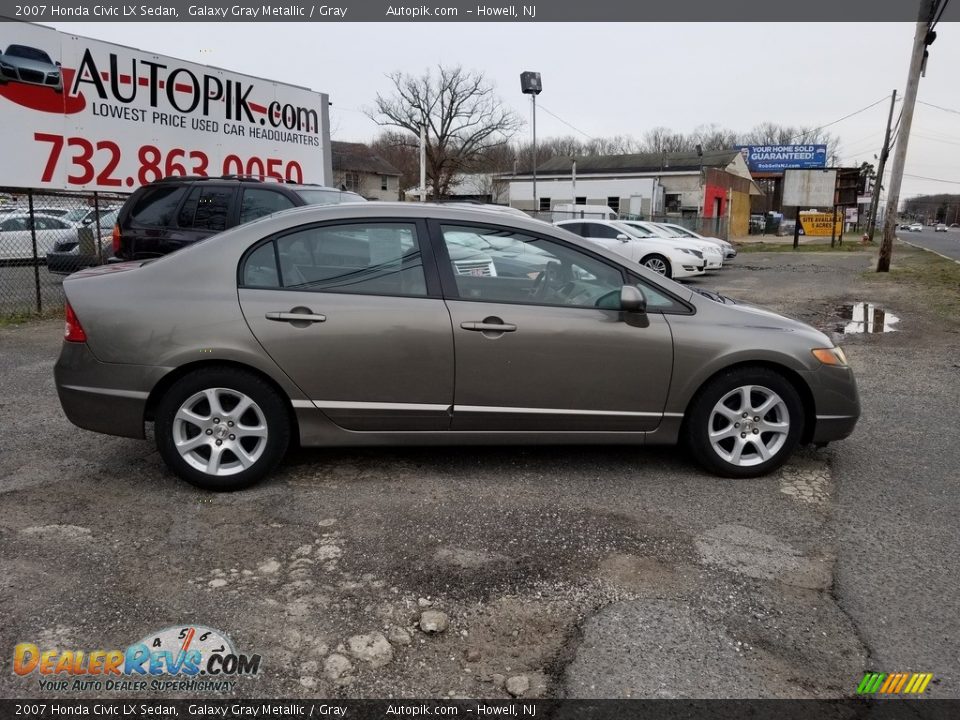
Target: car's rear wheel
point(745, 422)
point(659, 264)
point(222, 428)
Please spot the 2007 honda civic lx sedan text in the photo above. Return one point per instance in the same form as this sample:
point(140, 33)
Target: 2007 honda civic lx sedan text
point(393, 324)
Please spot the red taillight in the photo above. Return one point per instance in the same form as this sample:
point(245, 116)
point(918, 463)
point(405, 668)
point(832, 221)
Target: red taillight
point(116, 240)
point(72, 331)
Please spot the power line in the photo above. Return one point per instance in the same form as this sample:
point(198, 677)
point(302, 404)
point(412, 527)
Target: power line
point(939, 14)
point(932, 179)
point(936, 139)
point(939, 107)
point(572, 127)
point(855, 112)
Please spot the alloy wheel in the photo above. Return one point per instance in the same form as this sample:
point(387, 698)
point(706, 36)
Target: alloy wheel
point(749, 425)
point(220, 431)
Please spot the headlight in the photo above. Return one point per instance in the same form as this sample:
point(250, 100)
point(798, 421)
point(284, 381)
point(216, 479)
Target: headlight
point(830, 356)
point(695, 253)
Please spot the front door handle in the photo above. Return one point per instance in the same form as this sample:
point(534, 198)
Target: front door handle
point(296, 317)
point(484, 326)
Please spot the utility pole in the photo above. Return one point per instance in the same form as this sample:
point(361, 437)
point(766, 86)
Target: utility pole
point(922, 38)
point(875, 200)
point(423, 161)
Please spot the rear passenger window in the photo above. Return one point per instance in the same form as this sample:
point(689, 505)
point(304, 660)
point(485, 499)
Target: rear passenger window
point(259, 203)
point(260, 269)
point(158, 205)
point(206, 208)
point(366, 259)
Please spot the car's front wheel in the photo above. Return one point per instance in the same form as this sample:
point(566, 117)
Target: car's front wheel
point(745, 423)
point(222, 428)
point(659, 264)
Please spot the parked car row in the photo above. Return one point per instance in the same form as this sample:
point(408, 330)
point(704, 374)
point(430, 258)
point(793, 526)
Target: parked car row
point(55, 229)
point(668, 250)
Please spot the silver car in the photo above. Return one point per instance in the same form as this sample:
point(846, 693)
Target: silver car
point(30, 65)
point(357, 325)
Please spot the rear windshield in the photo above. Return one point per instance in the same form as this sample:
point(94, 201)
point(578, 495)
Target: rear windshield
point(158, 205)
point(328, 197)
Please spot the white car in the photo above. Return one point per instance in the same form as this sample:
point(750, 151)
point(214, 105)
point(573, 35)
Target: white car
point(670, 259)
point(16, 238)
point(729, 249)
point(653, 231)
point(916, 227)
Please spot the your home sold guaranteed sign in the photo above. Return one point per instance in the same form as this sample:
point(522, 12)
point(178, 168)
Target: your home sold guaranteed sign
point(80, 113)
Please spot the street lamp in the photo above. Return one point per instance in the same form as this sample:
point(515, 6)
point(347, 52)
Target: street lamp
point(530, 85)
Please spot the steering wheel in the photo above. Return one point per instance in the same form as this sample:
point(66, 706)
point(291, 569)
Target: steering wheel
point(548, 276)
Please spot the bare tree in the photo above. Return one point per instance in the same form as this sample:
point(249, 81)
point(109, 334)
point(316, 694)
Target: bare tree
point(400, 149)
point(661, 140)
point(463, 117)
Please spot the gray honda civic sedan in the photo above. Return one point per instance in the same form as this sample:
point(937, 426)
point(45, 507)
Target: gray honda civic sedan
point(410, 324)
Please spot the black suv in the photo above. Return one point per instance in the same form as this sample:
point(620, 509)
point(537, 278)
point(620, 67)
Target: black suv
point(166, 215)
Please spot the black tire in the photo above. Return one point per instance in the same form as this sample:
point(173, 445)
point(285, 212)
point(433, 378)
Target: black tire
point(699, 418)
point(661, 258)
point(272, 410)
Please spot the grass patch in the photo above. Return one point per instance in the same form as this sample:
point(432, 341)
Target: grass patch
point(14, 319)
point(935, 281)
point(847, 247)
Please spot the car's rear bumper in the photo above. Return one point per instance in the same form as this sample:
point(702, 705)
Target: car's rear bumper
point(65, 263)
point(108, 398)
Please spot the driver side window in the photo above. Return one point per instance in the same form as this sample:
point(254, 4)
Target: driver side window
point(500, 265)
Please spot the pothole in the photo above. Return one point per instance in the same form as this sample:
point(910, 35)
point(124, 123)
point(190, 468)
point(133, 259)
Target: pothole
point(862, 317)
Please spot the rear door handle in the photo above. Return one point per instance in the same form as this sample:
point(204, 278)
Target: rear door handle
point(488, 327)
point(296, 317)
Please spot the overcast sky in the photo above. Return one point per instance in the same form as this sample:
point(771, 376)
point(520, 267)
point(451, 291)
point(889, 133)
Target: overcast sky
point(611, 79)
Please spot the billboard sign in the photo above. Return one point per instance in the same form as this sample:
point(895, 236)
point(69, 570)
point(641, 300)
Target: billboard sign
point(777, 158)
point(809, 188)
point(820, 224)
point(84, 114)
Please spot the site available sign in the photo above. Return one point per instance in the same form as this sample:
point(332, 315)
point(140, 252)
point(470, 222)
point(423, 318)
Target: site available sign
point(819, 224)
point(777, 158)
point(84, 114)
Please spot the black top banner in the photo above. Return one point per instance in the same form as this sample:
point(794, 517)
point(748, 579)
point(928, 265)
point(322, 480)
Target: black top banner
point(853, 11)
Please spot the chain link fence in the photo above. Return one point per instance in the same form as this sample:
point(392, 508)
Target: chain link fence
point(46, 235)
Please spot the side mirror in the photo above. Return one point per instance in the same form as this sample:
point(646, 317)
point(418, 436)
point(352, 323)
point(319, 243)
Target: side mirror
point(58, 64)
point(623, 238)
point(632, 299)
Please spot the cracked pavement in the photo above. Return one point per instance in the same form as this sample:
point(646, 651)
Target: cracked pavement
point(559, 572)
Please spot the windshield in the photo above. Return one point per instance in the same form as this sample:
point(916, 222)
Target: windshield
point(681, 231)
point(28, 53)
point(635, 230)
point(669, 231)
point(76, 215)
point(328, 197)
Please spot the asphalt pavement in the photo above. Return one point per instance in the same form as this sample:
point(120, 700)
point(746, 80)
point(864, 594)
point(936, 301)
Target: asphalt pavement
point(945, 243)
point(579, 572)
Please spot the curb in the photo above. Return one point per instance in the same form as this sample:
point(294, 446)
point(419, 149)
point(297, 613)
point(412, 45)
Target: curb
point(921, 247)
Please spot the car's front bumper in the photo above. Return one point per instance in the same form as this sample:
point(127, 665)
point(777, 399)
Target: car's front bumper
point(836, 402)
point(688, 269)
